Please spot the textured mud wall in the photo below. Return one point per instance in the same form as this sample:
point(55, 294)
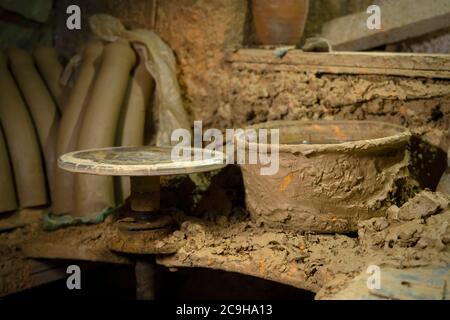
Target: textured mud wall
point(200, 31)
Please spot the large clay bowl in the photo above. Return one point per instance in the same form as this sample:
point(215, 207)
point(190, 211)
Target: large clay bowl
point(332, 174)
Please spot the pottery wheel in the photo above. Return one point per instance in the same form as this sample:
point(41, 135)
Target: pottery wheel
point(139, 161)
point(144, 165)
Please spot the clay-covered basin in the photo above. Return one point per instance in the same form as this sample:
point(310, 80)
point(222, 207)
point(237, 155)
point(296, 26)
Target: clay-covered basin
point(332, 174)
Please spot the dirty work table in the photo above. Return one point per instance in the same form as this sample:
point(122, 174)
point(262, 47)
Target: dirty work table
point(322, 263)
point(145, 219)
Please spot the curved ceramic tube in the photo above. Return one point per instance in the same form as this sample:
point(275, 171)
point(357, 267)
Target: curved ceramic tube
point(93, 194)
point(8, 201)
point(69, 128)
point(22, 142)
point(50, 69)
point(42, 108)
point(131, 128)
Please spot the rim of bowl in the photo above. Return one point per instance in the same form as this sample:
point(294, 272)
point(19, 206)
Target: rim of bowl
point(400, 138)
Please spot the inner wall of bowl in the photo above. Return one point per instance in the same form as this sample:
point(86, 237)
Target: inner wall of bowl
point(332, 132)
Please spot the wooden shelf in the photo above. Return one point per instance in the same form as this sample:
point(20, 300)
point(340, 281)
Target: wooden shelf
point(380, 63)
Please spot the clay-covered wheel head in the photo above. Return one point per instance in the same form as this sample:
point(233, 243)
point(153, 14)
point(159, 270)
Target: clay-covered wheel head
point(142, 161)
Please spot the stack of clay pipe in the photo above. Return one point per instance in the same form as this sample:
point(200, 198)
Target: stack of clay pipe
point(105, 105)
point(29, 119)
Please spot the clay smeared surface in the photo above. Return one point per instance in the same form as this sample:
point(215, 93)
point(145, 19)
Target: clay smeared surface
point(415, 235)
point(224, 237)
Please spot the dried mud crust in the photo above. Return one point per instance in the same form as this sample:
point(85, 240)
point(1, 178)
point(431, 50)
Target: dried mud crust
point(328, 188)
point(414, 235)
point(84, 242)
point(225, 97)
point(15, 268)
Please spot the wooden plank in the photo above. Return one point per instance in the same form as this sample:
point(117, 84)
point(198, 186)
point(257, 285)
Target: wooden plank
point(293, 277)
point(345, 70)
point(86, 243)
point(281, 256)
point(400, 20)
point(29, 273)
point(18, 272)
point(399, 64)
point(427, 283)
point(22, 274)
point(416, 284)
point(43, 272)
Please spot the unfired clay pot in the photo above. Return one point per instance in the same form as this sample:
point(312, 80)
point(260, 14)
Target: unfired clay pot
point(332, 174)
point(279, 22)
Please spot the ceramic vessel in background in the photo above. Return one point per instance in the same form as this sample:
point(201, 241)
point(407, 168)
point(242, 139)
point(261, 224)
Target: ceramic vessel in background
point(279, 22)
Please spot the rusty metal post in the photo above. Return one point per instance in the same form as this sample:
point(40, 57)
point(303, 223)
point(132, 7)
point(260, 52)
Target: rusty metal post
point(145, 272)
point(145, 193)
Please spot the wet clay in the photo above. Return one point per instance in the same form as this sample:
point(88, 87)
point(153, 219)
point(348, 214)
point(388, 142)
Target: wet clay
point(170, 113)
point(22, 142)
point(132, 123)
point(50, 69)
point(8, 201)
point(69, 128)
point(94, 194)
point(42, 108)
point(323, 185)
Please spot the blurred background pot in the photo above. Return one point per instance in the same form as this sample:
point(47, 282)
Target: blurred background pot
point(280, 22)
